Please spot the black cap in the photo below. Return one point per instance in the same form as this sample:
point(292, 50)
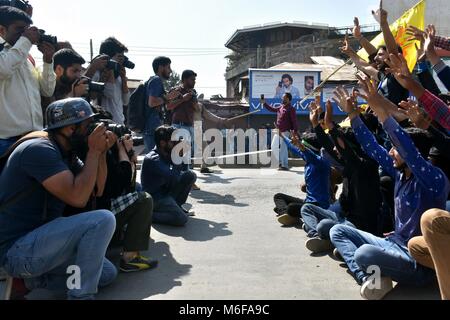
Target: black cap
point(187, 74)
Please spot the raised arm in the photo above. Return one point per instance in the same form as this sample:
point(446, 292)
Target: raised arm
point(357, 60)
point(365, 44)
point(382, 17)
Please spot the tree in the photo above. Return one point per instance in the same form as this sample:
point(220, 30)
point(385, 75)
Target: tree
point(173, 81)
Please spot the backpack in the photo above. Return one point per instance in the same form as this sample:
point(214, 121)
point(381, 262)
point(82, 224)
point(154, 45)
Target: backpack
point(137, 106)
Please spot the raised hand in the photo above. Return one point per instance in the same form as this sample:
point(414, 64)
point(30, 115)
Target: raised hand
point(329, 116)
point(314, 114)
point(380, 15)
point(344, 100)
point(377, 102)
point(346, 49)
point(357, 29)
point(415, 33)
point(399, 68)
point(418, 117)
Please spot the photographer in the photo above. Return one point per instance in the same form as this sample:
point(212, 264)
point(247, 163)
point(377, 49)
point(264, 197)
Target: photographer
point(68, 67)
point(133, 209)
point(156, 114)
point(165, 181)
point(36, 243)
point(116, 94)
point(21, 83)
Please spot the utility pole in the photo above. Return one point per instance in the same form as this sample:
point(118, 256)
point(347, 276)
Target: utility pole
point(92, 49)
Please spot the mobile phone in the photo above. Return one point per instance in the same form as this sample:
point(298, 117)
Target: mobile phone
point(262, 97)
point(280, 84)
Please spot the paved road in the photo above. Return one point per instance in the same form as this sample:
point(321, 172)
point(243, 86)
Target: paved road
point(235, 249)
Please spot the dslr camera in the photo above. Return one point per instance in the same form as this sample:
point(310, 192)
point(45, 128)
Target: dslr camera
point(119, 130)
point(95, 87)
point(47, 38)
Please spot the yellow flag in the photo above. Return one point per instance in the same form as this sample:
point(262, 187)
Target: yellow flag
point(413, 17)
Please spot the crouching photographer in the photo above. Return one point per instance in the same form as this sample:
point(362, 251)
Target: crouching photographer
point(41, 176)
point(133, 209)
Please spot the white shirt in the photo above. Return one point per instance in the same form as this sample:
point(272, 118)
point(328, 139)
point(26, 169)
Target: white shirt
point(21, 87)
point(114, 99)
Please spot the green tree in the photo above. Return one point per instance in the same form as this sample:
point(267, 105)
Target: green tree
point(173, 81)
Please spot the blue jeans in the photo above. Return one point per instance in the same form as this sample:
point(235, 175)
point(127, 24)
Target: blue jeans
point(361, 250)
point(318, 221)
point(189, 129)
point(5, 144)
point(43, 255)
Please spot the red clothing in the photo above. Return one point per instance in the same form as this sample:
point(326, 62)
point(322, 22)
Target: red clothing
point(286, 117)
point(436, 108)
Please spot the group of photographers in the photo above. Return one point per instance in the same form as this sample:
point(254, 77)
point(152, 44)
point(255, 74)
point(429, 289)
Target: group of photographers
point(68, 188)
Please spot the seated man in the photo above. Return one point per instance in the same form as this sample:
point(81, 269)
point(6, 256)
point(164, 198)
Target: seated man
point(360, 202)
point(165, 181)
point(41, 176)
point(317, 177)
point(419, 186)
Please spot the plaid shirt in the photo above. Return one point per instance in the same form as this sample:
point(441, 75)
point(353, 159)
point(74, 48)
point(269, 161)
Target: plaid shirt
point(443, 43)
point(436, 108)
point(120, 204)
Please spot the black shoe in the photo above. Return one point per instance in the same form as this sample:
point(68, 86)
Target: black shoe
point(206, 171)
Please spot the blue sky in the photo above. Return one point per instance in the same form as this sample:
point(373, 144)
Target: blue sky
point(192, 33)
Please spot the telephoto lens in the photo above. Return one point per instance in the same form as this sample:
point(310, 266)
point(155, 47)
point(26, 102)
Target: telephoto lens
point(128, 64)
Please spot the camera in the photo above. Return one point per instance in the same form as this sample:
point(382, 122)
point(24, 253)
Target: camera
point(47, 38)
point(128, 64)
point(114, 66)
point(96, 87)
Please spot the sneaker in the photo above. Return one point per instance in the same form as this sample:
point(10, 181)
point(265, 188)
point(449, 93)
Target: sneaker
point(337, 255)
point(287, 220)
point(195, 188)
point(369, 293)
point(304, 227)
point(283, 169)
point(137, 264)
point(318, 245)
point(206, 171)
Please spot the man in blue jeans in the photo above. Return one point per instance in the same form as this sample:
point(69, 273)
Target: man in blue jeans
point(419, 186)
point(156, 114)
point(41, 176)
point(165, 181)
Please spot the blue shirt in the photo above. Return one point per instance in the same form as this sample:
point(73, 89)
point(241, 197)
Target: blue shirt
point(427, 188)
point(153, 116)
point(159, 175)
point(317, 176)
point(33, 161)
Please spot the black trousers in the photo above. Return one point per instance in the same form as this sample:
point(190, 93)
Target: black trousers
point(285, 204)
point(137, 219)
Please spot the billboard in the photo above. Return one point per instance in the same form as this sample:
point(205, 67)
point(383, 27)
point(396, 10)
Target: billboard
point(273, 84)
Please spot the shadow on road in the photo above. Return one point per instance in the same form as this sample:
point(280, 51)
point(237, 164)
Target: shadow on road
point(145, 285)
point(403, 292)
point(206, 197)
point(207, 179)
point(196, 230)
